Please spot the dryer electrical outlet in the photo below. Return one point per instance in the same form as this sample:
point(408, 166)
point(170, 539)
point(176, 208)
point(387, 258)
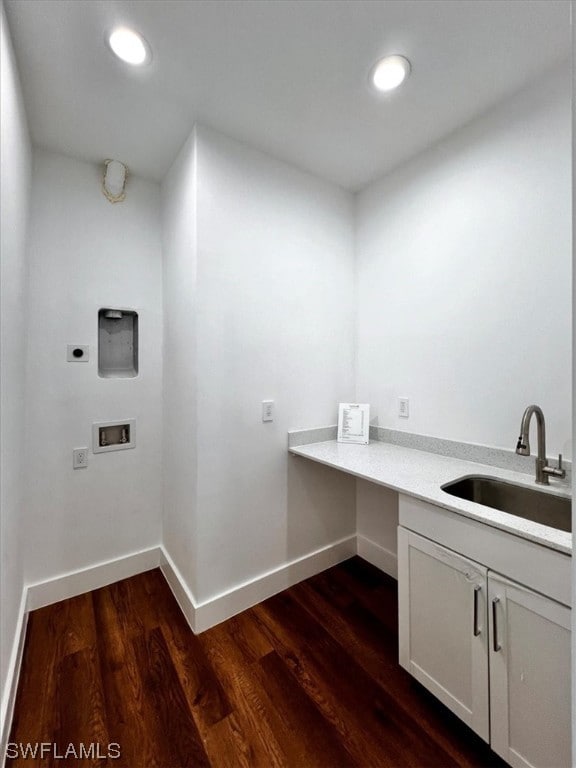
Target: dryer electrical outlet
point(77, 353)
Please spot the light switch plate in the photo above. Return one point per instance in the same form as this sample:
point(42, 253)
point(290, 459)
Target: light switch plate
point(403, 407)
point(267, 410)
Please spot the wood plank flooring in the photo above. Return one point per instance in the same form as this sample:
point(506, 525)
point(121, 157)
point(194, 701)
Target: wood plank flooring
point(306, 679)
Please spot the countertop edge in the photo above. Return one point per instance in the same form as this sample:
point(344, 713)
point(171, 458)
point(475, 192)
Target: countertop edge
point(548, 537)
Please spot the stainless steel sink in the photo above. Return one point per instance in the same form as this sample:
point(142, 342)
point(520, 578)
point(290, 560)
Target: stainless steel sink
point(529, 503)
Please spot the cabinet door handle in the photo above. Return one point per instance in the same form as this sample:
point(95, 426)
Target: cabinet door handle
point(476, 629)
point(496, 645)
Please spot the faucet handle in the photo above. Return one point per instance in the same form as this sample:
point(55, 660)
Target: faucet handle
point(558, 471)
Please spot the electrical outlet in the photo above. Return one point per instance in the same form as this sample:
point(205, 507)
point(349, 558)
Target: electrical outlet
point(403, 407)
point(78, 353)
point(267, 410)
point(80, 458)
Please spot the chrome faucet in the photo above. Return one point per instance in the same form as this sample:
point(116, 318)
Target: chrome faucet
point(543, 470)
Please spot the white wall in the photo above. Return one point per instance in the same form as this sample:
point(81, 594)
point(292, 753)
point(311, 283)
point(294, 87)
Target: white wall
point(272, 316)
point(573, 15)
point(464, 289)
point(86, 253)
point(377, 525)
point(15, 185)
point(180, 460)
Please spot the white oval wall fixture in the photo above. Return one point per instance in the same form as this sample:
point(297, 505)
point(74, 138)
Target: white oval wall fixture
point(389, 73)
point(129, 46)
point(114, 180)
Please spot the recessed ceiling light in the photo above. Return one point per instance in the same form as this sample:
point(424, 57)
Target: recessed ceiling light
point(129, 46)
point(390, 72)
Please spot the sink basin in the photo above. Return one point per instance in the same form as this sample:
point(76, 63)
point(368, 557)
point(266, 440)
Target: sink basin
point(528, 503)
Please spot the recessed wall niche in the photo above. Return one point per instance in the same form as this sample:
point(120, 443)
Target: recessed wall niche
point(113, 435)
point(117, 343)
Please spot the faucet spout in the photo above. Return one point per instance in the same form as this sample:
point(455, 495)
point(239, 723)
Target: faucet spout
point(523, 446)
point(543, 470)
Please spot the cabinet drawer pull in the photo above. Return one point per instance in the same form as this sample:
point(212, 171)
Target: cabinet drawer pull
point(476, 629)
point(496, 644)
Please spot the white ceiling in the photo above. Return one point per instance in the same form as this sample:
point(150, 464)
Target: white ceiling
point(286, 76)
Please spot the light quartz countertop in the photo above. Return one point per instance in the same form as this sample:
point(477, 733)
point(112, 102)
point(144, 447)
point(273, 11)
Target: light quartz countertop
point(421, 474)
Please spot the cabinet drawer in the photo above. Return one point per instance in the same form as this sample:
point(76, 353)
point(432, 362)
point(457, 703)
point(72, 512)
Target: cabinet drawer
point(545, 570)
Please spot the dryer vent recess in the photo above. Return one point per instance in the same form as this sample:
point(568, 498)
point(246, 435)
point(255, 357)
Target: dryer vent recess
point(117, 343)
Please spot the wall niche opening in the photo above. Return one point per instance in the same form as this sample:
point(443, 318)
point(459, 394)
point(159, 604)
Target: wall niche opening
point(117, 343)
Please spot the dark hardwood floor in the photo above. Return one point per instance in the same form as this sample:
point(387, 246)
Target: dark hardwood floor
point(307, 678)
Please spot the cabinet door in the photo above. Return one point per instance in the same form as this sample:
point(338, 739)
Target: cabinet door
point(529, 676)
point(443, 628)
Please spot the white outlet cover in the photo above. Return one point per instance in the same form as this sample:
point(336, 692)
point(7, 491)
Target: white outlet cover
point(403, 407)
point(80, 458)
point(78, 353)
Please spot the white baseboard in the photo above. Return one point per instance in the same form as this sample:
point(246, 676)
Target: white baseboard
point(11, 686)
point(380, 557)
point(85, 580)
point(180, 590)
point(203, 615)
point(61, 588)
point(200, 616)
point(243, 596)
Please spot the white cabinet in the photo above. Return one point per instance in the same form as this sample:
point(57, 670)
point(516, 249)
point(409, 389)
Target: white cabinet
point(494, 652)
point(529, 676)
point(443, 628)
